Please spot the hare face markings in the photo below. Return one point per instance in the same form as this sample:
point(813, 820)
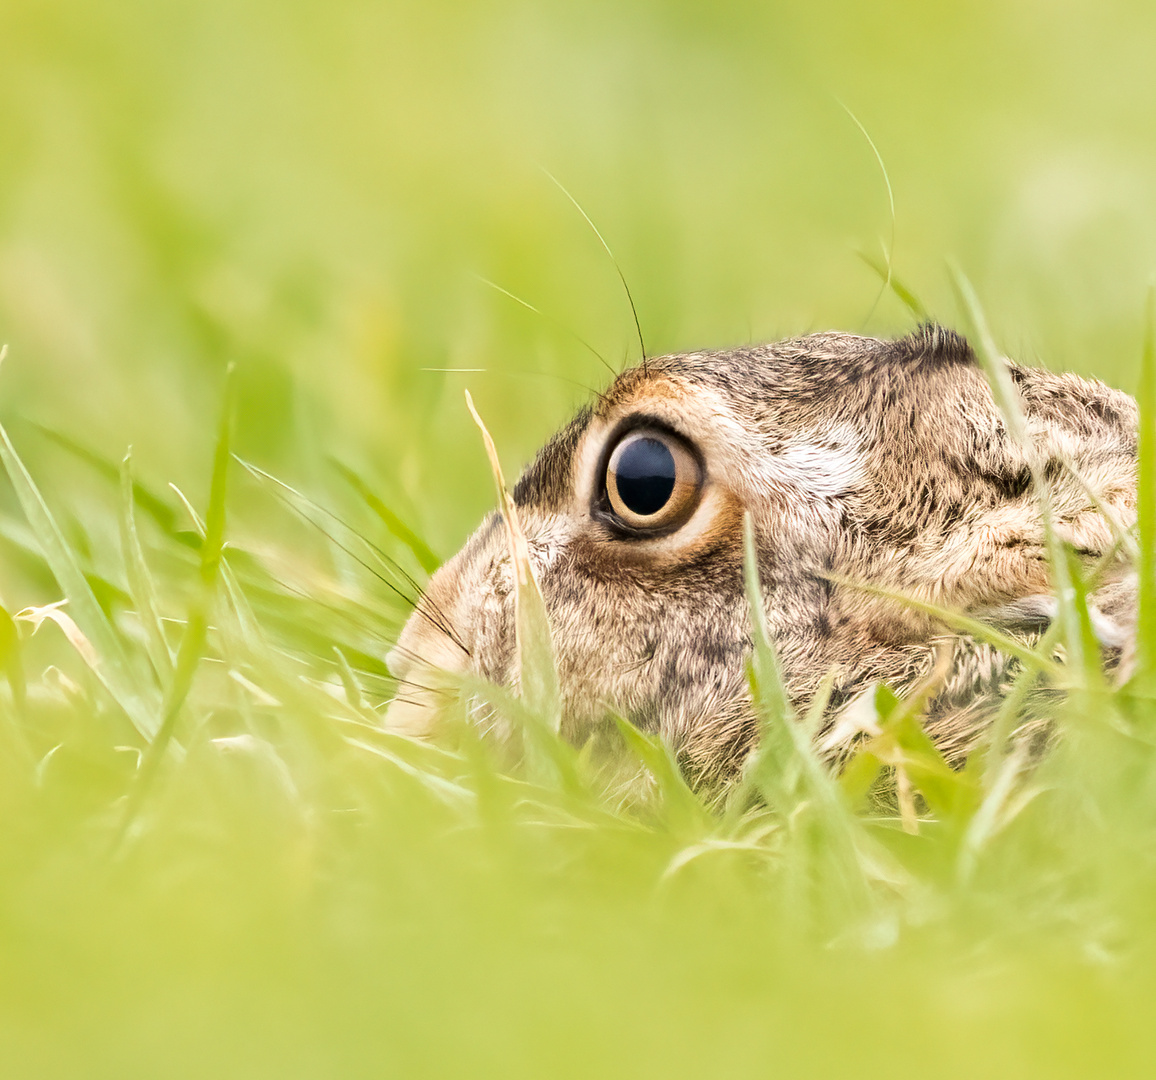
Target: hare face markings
point(883, 462)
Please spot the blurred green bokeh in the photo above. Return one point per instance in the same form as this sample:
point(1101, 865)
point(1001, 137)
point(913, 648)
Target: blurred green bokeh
point(318, 193)
point(313, 191)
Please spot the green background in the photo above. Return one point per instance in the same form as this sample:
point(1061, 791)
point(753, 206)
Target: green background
point(313, 189)
point(315, 192)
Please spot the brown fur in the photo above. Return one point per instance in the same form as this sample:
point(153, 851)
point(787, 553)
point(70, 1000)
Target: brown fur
point(885, 462)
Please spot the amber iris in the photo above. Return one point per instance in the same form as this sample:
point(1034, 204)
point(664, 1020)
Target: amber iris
point(653, 481)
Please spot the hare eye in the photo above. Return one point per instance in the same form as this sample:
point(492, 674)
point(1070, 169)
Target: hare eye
point(653, 481)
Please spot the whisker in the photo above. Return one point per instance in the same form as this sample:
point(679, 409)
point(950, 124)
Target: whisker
point(606, 248)
point(407, 701)
point(388, 560)
point(554, 322)
point(440, 622)
point(523, 373)
point(405, 682)
point(435, 617)
point(437, 622)
point(360, 623)
point(377, 676)
point(415, 657)
point(368, 628)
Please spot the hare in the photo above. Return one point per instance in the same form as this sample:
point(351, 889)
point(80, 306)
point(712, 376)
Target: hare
point(859, 461)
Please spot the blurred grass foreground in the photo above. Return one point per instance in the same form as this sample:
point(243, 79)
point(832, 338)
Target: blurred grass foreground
point(213, 861)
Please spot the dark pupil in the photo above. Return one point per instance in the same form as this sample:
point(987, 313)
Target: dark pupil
point(645, 474)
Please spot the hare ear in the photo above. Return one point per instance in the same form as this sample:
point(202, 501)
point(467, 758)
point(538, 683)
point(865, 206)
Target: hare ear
point(1083, 439)
point(955, 513)
point(1111, 613)
point(1082, 448)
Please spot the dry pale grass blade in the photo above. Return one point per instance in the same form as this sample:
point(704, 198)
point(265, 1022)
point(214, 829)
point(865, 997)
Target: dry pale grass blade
point(537, 676)
point(36, 616)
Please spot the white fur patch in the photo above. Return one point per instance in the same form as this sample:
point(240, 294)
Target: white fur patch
point(818, 465)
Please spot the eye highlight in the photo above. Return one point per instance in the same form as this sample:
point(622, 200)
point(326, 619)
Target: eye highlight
point(653, 481)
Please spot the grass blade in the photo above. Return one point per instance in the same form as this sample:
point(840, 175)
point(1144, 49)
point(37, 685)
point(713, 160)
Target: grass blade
point(683, 811)
point(785, 745)
point(140, 580)
point(537, 676)
point(906, 297)
point(151, 503)
point(1035, 659)
point(552, 761)
point(825, 868)
point(1007, 399)
point(1144, 680)
point(420, 550)
point(12, 664)
point(192, 646)
point(116, 671)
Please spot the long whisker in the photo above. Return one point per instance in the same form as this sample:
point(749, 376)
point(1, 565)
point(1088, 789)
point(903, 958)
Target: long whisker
point(433, 616)
point(414, 656)
point(554, 322)
point(391, 680)
point(367, 628)
point(303, 594)
point(386, 560)
point(369, 675)
point(439, 622)
point(407, 701)
point(521, 373)
point(606, 248)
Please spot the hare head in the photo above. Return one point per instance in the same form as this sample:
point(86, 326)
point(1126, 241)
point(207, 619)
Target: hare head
point(858, 460)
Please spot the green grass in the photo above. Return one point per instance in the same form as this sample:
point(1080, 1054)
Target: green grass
point(213, 861)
